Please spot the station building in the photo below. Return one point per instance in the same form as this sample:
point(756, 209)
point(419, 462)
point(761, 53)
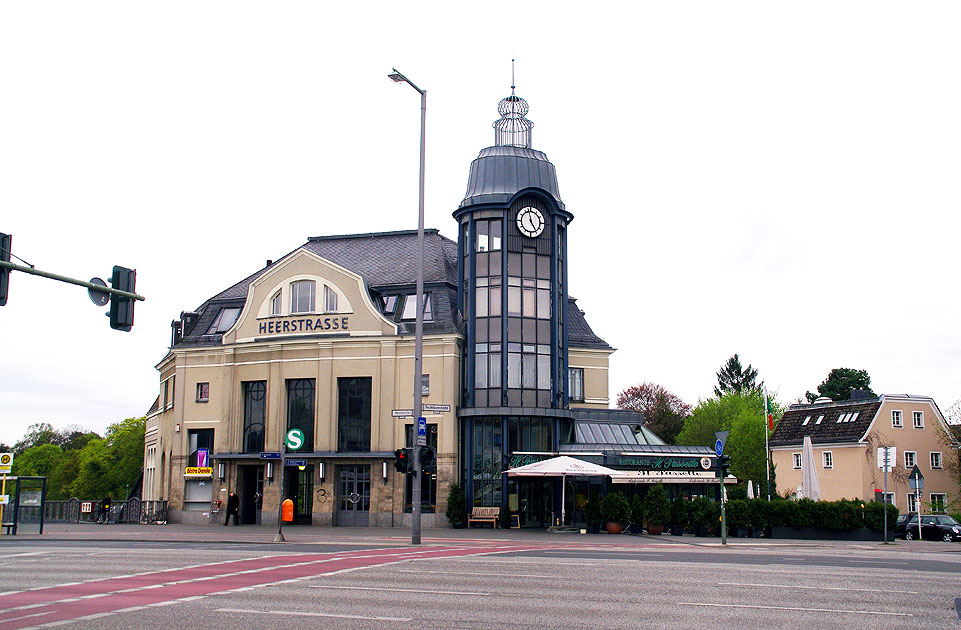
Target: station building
point(323, 340)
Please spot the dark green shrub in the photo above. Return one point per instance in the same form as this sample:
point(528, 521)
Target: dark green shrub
point(615, 508)
point(874, 516)
point(679, 511)
point(656, 505)
point(456, 505)
point(806, 514)
point(736, 513)
point(703, 512)
point(735, 493)
point(758, 513)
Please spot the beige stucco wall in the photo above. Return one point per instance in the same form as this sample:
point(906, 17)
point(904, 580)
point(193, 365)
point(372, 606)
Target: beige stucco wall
point(595, 364)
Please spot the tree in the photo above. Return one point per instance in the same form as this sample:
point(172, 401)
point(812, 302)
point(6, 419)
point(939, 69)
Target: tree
point(732, 379)
point(37, 435)
point(664, 412)
point(742, 415)
point(38, 461)
point(840, 382)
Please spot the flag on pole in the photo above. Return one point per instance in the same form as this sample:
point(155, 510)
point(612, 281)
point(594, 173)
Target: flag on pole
point(768, 414)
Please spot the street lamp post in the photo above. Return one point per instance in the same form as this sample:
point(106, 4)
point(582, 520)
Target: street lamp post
point(419, 320)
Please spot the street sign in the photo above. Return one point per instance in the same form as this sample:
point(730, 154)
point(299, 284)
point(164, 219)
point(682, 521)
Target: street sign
point(269, 455)
point(721, 441)
point(294, 439)
point(6, 463)
point(409, 413)
point(892, 455)
point(296, 462)
point(916, 479)
point(421, 431)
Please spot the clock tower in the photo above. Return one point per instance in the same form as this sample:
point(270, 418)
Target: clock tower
point(513, 295)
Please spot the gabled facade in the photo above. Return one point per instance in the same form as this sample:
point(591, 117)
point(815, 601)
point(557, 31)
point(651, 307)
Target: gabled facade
point(846, 436)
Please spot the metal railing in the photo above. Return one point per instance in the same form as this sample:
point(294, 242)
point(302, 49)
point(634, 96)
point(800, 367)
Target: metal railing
point(132, 510)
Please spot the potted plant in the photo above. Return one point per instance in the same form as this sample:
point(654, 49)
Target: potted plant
point(702, 516)
point(592, 514)
point(616, 511)
point(656, 509)
point(457, 506)
point(679, 515)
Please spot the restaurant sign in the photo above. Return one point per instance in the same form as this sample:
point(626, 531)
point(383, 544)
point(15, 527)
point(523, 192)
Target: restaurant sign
point(199, 471)
point(658, 462)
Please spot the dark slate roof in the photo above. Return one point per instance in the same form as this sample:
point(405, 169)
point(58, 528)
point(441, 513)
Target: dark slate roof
point(579, 332)
point(791, 429)
point(500, 172)
point(387, 262)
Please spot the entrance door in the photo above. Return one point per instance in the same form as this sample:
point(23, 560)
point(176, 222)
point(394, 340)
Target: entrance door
point(251, 494)
point(535, 501)
point(300, 489)
point(353, 496)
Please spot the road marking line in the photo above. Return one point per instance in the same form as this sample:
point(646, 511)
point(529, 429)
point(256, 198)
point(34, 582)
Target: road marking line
point(820, 588)
point(828, 610)
point(519, 561)
point(309, 614)
point(395, 590)
point(517, 575)
point(26, 616)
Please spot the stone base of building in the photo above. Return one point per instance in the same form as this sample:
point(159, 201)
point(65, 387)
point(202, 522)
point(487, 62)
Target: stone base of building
point(427, 521)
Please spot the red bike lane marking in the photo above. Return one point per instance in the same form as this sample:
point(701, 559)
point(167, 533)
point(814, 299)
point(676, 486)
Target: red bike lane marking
point(57, 606)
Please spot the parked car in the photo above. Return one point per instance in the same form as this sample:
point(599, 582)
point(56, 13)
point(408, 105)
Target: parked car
point(902, 521)
point(933, 527)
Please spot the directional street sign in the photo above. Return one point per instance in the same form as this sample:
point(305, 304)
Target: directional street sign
point(295, 462)
point(409, 413)
point(294, 439)
point(269, 455)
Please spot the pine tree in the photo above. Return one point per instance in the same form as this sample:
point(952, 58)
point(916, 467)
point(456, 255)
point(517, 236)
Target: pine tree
point(733, 379)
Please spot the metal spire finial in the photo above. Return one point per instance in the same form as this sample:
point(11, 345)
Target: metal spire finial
point(513, 129)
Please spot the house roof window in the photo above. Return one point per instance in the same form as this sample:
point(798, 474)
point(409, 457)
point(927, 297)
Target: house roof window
point(224, 320)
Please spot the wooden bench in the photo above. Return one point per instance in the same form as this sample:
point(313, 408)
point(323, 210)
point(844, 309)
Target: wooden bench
point(484, 515)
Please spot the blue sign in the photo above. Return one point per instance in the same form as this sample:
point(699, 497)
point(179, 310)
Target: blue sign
point(269, 455)
point(421, 431)
point(719, 447)
point(295, 462)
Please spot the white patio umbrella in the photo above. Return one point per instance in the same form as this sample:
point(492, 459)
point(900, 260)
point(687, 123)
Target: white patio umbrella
point(750, 489)
point(810, 487)
point(562, 467)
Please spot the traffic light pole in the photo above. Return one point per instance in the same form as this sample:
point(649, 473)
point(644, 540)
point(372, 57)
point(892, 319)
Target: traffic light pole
point(53, 276)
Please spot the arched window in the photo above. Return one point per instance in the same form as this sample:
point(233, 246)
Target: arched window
point(276, 303)
point(302, 296)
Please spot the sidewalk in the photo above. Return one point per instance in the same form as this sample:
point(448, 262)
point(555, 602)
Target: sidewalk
point(299, 534)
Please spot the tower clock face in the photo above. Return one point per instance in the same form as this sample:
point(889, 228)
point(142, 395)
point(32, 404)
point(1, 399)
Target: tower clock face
point(530, 221)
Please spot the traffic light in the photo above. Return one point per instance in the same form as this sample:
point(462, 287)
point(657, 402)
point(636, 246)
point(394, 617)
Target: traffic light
point(5, 240)
point(426, 458)
point(723, 465)
point(402, 460)
point(121, 308)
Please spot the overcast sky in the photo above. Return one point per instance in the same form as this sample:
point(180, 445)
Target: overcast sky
point(778, 180)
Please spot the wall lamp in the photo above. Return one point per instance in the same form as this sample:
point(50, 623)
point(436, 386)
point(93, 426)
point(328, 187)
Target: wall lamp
point(383, 471)
point(320, 470)
point(270, 471)
point(221, 471)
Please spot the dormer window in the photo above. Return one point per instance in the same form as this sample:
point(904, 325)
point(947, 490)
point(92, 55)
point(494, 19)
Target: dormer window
point(390, 303)
point(277, 303)
point(224, 320)
point(410, 308)
point(302, 295)
point(806, 420)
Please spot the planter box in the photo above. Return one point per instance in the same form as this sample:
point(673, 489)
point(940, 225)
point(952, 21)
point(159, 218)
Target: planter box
point(816, 533)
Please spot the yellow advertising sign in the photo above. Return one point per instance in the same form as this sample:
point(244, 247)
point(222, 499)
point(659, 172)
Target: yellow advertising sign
point(198, 471)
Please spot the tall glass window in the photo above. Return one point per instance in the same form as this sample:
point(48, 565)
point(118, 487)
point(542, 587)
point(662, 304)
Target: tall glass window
point(300, 409)
point(199, 439)
point(330, 300)
point(353, 414)
point(255, 410)
point(487, 445)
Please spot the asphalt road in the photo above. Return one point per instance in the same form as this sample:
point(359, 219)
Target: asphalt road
point(471, 584)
